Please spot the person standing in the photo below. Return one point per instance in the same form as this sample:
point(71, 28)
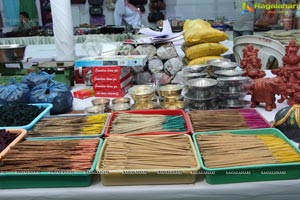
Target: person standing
point(24, 23)
point(126, 13)
point(244, 18)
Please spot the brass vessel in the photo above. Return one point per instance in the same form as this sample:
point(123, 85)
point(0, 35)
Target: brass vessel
point(142, 95)
point(171, 95)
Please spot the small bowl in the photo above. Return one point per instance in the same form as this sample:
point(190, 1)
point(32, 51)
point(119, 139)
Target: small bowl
point(171, 106)
point(223, 65)
point(141, 93)
point(201, 104)
point(101, 101)
point(234, 80)
point(231, 89)
point(140, 90)
point(228, 73)
point(233, 103)
point(170, 90)
point(95, 109)
point(209, 62)
point(194, 68)
point(143, 106)
point(232, 95)
point(201, 83)
point(190, 76)
point(201, 94)
point(121, 100)
point(120, 106)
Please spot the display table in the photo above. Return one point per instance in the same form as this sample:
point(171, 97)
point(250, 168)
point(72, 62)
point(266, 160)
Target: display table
point(269, 190)
point(50, 39)
point(47, 52)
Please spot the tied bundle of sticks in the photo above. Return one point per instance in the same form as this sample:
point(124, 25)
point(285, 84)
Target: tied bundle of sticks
point(51, 156)
point(226, 120)
point(130, 123)
point(148, 152)
point(229, 150)
point(69, 126)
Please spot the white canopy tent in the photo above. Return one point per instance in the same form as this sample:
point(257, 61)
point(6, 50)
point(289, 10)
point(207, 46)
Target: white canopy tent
point(63, 30)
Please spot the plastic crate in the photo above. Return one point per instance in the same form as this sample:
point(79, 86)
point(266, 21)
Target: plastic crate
point(265, 172)
point(149, 112)
point(245, 110)
point(64, 71)
point(14, 180)
point(97, 134)
point(7, 74)
point(4, 80)
point(44, 113)
point(21, 134)
point(148, 176)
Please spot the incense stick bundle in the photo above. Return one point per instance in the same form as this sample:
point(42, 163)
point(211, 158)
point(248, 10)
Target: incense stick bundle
point(69, 126)
point(228, 150)
point(52, 155)
point(148, 152)
point(130, 123)
point(226, 120)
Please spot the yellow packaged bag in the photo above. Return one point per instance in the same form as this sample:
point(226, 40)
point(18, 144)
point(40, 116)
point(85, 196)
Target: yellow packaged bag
point(197, 23)
point(204, 49)
point(203, 60)
point(196, 36)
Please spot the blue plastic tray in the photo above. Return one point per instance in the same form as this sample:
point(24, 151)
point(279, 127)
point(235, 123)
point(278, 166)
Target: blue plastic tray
point(13, 180)
point(29, 126)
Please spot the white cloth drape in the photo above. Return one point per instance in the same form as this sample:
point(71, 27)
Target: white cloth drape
point(63, 30)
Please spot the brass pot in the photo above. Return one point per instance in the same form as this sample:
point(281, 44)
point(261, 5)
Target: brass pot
point(121, 100)
point(141, 93)
point(173, 105)
point(143, 106)
point(101, 101)
point(170, 90)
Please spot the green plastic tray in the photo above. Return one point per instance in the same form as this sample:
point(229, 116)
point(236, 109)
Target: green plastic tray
point(266, 172)
point(13, 180)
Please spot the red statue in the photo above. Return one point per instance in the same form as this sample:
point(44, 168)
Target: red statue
point(291, 59)
point(263, 91)
point(289, 74)
point(251, 63)
point(286, 83)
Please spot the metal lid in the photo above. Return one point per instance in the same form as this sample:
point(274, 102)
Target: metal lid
point(229, 73)
point(201, 82)
point(195, 68)
point(12, 46)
